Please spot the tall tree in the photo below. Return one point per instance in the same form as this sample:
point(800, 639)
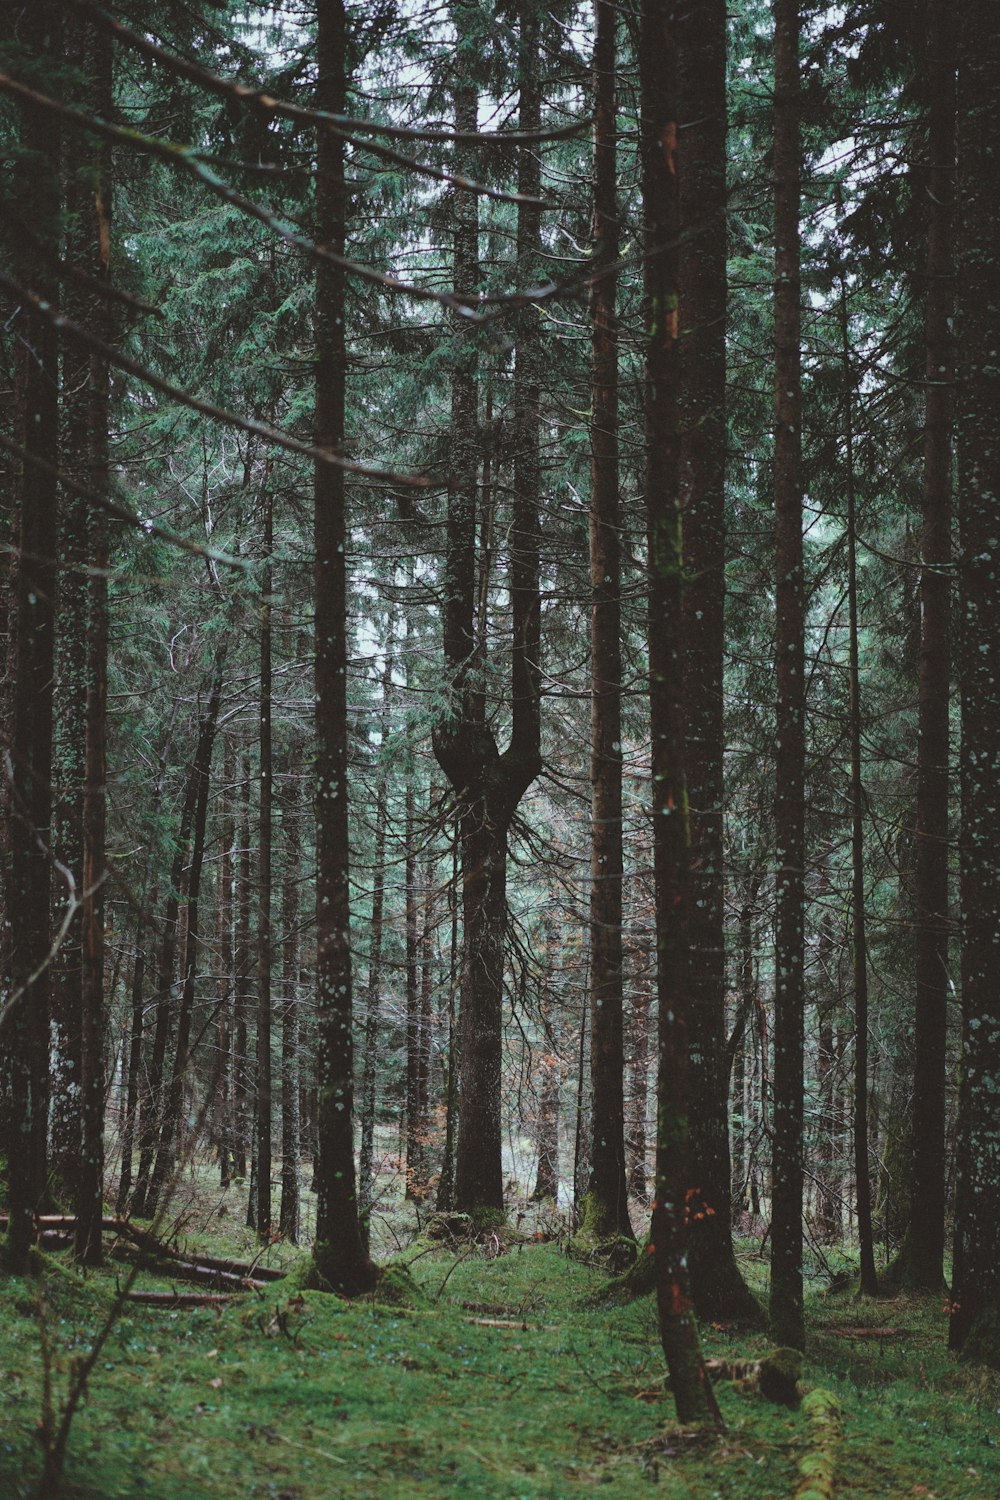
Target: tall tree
point(868, 1284)
point(264, 938)
point(489, 783)
point(975, 1291)
point(340, 1255)
point(786, 1310)
point(607, 1214)
point(658, 73)
point(26, 1012)
point(93, 1010)
point(719, 1289)
point(923, 1254)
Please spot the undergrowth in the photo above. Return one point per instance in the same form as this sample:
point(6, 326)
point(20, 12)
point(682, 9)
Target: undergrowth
point(503, 1378)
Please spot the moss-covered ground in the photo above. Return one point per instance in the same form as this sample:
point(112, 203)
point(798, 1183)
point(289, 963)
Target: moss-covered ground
point(506, 1379)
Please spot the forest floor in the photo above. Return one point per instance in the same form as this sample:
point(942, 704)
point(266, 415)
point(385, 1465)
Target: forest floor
point(507, 1378)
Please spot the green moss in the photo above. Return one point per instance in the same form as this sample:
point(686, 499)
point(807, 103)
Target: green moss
point(780, 1373)
point(638, 1281)
point(397, 1288)
point(599, 1240)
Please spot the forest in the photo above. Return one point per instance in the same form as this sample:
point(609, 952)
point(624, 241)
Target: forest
point(499, 748)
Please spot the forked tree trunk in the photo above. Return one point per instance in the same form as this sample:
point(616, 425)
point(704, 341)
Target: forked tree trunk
point(489, 784)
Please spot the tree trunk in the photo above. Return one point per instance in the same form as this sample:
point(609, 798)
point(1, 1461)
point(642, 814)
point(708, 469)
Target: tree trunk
point(868, 1284)
point(291, 1141)
point(923, 1252)
point(36, 186)
point(90, 1187)
point(786, 1313)
point(172, 1123)
point(373, 998)
point(489, 785)
point(243, 1083)
point(606, 1211)
point(152, 1102)
point(263, 1213)
point(718, 1288)
point(693, 1395)
point(975, 1293)
point(414, 1137)
point(340, 1255)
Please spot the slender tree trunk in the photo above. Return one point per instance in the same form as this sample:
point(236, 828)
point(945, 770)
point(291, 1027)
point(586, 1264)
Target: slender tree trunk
point(90, 1196)
point(171, 1128)
point(718, 1288)
point(223, 1112)
point(635, 1136)
point(153, 1102)
point(373, 999)
point(923, 1252)
point(975, 1292)
point(786, 1311)
point(243, 1084)
point(36, 186)
point(606, 1214)
point(291, 1141)
point(693, 1395)
point(446, 1185)
point(414, 1143)
point(264, 940)
point(859, 942)
point(340, 1254)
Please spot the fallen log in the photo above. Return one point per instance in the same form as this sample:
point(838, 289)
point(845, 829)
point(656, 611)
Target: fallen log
point(180, 1299)
point(55, 1232)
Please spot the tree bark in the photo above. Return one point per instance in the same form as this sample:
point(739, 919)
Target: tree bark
point(30, 769)
point(171, 1126)
point(868, 1283)
point(923, 1251)
point(291, 1131)
point(975, 1293)
point(786, 1311)
point(489, 784)
point(264, 938)
point(693, 1395)
point(718, 1288)
point(340, 1254)
point(606, 1211)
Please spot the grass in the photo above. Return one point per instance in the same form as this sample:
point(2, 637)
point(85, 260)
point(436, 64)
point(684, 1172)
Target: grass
point(302, 1396)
